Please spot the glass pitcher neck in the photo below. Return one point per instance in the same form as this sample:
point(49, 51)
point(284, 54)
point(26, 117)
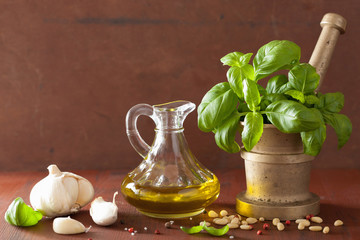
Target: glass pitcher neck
point(171, 116)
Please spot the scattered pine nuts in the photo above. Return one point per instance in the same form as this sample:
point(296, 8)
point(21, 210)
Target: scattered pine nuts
point(316, 219)
point(243, 222)
point(326, 230)
point(231, 217)
point(280, 226)
point(233, 225)
point(299, 220)
point(301, 226)
point(251, 220)
point(204, 222)
point(238, 216)
point(261, 219)
point(338, 223)
point(235, 220)
point(275, 221)
point(220, 221)
point(303, 221)
point(245, 227)
point(315, 228)
point(213, 214)
point(223, 213)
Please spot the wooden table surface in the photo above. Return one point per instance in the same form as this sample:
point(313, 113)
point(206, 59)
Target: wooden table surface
point(339, 190)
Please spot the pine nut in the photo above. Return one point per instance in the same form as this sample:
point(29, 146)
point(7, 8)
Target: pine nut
point(280, 226)
point(223, 213)
point(300, 220)
point(315, 228)
point(245, 227)
point(206, 223)
point(261, 219)
point(251, 220)
point(326, 230)
point(275, 221)
point(235, 220)
point(231, 217)
point(303, 221)
point(213, 214)
point(220, 221)
point(243, 222)
point(227, 219)
point(238, 216)
point(301, 226)
point(338, 223)
point(233, 225)
point(316, 219)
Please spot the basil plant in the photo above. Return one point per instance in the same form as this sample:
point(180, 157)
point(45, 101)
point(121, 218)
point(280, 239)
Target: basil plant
point(289, 102)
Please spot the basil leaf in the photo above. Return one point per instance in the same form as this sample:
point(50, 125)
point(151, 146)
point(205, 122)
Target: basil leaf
point(243, 107)
point(274, 56)
point(311, 99)
point(192, 230)
point(292, 117)
point(331, 102)
point(236, 59)
point(217, 104)
point(217, 231)
point(275, 83)
point(270, 98)
point(20, 214)
point(261, 89)
point(235, 78)
point(251, 94)
point(342, 126)
point(253, 129)
point(313, 140)
point(303, 77)
point(284, 88)
point(296, 95)
point(226, 132)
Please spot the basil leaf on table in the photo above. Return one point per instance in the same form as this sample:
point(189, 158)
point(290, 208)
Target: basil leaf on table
point(192, 230)
point(274, 56)
point(217, 231)
point(303, 77)
point(292, 117)
point(296, 95)
point(275, 83)
point(331, 102)
point(20, 214)
point(226, 132)
point(253, 129)
point(217, 104)
point(251, 94)
point(342, 126)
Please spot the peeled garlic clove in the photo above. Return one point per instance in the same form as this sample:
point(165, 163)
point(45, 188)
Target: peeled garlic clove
point(61, 193)
point(67, 225)
point(104, 213)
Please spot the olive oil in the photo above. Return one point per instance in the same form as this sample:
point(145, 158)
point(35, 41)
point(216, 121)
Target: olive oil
point(171, 202)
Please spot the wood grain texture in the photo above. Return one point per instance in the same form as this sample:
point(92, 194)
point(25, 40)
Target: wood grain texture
point(69, 72)
point(339, 191)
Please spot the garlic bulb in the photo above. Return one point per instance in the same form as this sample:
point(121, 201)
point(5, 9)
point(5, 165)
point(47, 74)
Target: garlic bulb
point(67, 225)
point(61, 193)
point(104, 213)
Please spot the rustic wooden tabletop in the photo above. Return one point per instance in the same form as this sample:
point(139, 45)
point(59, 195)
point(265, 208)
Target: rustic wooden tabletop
point(339, 190)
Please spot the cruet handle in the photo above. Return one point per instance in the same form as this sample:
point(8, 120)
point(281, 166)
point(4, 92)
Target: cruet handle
point(140, 146)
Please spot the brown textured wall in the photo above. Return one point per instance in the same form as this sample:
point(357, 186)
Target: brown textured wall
point(70, 70)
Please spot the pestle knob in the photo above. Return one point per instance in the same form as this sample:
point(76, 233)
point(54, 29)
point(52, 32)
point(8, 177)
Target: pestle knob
point(332, 26)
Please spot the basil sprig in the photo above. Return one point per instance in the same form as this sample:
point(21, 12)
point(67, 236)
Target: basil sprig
point(288, 102)
point(20, 214)
point(211, 230)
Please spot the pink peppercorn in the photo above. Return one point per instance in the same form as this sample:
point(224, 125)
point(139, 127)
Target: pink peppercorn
point(157, 231)
point(266, 226)
point(130, 230)
point(251, 226)
point(259, 232)
point(287, 222)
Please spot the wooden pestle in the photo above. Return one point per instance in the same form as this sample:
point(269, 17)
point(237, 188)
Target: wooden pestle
point(332, 26)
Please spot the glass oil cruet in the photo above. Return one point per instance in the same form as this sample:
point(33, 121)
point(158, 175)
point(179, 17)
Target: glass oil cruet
point(169, 182)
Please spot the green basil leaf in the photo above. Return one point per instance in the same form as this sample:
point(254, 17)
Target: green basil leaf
point(243, 107)
point(274, 56)
point(303, 77)
point(296, 95)
point(261, 89)
point(236, 59)
point(313, 140)
point(311, 99)
point(20, 214)
point(235, 77)
point(342, 126)
point(226, 132)
point(217, 231)
point(253, 129)
point(292, 117)
point(251, 94)
point(270, 98)
point(331, 102)
point(275, 83)
point(217, 104)
point(284, 88)
point(192, 230)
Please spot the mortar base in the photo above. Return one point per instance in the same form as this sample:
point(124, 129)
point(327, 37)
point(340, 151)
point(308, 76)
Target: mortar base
point(287, 211)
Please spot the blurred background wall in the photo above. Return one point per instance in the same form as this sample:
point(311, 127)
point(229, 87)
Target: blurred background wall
point(70, 71)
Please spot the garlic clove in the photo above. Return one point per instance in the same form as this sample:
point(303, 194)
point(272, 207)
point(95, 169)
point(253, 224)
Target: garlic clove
point(60, 193)
point(104, 213)
point(67, 225)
